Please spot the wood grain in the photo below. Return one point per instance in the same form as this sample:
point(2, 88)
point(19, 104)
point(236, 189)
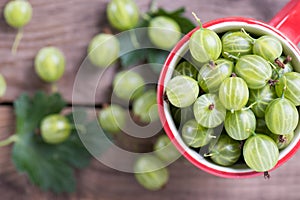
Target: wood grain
point(69, 25)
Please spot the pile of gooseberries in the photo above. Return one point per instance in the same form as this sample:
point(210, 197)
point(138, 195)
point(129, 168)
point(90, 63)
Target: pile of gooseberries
point(124, 15)
point(244, 82)
point(130, 89)
point(103, 51)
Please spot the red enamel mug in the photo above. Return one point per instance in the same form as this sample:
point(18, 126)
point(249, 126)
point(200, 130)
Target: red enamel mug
point(285, 26)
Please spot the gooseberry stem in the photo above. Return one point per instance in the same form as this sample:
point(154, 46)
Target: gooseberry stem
point(146, 17)
point(248, 35)
point(275, 69)
point(17, 41)
point(9, 140)
point(211, 106)
point(281, 138)
point(208, 155)
point(279, 63)
point(250, 106)
point(198, 20)
point(233, 75)
point(284, 88)
point(267, 175)
point(287, 59)
point(251, 131)
point(231, 56)
point(54, 87)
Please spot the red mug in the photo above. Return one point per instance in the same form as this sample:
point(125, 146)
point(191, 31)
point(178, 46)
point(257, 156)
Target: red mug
point(285, 27)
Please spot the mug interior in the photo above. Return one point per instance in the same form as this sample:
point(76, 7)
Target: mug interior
point(180, 51)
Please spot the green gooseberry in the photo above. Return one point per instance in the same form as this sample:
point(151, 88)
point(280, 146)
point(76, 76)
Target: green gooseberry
point(112, 118)
point(55, 129)
point(122, 14)
point(103, 50)
point(165, 149)
point(128, 85)
point(204, 44)
point(150, 172)
point(18, 13)
point(145, 107)
point(260, 153)
point(49, 64)
point(164, 32)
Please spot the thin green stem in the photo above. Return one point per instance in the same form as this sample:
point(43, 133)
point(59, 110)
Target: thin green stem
point(208, 154)
point(198, 20)
point(9, 140)
point(248, 35)
point(17, 41)
point(275, 69)
point(284, 88)
point(146, 17)
point(251, 131)
point(250, 106)
point(231, 56)
point(54, 87)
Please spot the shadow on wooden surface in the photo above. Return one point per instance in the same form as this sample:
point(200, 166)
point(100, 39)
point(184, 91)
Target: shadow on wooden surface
point(70, 25)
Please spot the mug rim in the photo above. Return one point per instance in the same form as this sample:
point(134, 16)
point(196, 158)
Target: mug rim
point(161, 105)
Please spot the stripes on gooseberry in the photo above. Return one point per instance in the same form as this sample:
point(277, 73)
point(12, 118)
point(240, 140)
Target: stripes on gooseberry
point(205, 44)
point(261, 97)
point(234, 93)
point(182, 91)
point(236, 43)
point(282, 141)
point(240, 124)
point(255, 70)
point(260, 152)
point(290, 81)
point(225, 151)
point(211, 77)
point(187, 69)
point(209, 111)
point(267, 47)
point(195, 135)
point(281, 116)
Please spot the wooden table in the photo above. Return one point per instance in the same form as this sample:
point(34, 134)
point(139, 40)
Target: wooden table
point(69, 25)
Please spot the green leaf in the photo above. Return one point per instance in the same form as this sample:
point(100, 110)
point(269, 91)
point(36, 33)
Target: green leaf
point(51, 167)
point(30, 112)
point(92, 135)
point(42, 164)
point(133, 58)
point(157, 58)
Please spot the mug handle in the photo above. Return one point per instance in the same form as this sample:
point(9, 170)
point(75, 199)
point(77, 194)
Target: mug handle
point(287, 21)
